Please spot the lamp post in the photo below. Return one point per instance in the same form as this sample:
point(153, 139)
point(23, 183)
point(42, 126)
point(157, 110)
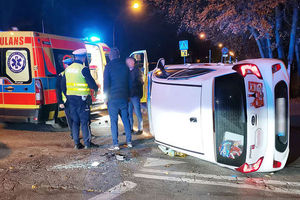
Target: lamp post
point(231, 54)
point(202, 36)
point(135, 6)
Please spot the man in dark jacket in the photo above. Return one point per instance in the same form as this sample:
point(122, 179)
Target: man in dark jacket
point(136, 93)
point(116, 89)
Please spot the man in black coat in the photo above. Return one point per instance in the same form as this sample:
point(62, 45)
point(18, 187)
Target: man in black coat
point(116, 89)
point(136, 93)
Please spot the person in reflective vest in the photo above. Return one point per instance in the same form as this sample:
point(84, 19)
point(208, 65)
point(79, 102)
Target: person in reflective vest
point(79, 83)
point(62, 95)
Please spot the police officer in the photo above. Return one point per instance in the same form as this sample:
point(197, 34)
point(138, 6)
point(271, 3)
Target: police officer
point(62, 95)
point(78, 84)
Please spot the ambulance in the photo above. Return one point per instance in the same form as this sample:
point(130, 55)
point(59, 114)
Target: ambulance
point(30, 63)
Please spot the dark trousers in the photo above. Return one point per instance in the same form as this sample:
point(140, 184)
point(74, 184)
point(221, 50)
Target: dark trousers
point(134, 104)
point(80, 112)
point(114, 108)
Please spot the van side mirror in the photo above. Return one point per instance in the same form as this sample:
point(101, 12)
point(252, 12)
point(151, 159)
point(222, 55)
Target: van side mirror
point(161, 63)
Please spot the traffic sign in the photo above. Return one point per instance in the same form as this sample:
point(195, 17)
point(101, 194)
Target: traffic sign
point(225, 50)
point(184, 53)
point(184, 45)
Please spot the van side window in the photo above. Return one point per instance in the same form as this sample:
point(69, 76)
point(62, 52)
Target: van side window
point(58, 58)
point(17, 65)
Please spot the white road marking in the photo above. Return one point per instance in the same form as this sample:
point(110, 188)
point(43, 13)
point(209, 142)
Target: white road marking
point(218, 183)
point(115, 191)
point(228, 178)
point(152, 162)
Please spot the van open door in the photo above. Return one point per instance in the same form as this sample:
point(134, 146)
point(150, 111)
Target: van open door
point(142, 62)
point(96, 65)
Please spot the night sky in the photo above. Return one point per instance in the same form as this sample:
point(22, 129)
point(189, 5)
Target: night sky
point(148, 29)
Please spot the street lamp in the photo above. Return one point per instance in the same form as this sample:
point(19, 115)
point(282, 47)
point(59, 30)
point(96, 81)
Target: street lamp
point(202, 36)
point(220, 45)
point(135, 6)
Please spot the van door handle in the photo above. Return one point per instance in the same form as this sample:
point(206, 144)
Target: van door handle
point(9, 88)
point(193, 119)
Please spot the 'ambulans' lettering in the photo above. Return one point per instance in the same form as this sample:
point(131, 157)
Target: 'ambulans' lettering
point(16, 40)
point(21, 41)
point(11, 41)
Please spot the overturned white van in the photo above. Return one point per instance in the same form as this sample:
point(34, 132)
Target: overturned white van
point(235, 115)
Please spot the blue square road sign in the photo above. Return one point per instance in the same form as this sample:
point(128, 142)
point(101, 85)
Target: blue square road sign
point(183, 45)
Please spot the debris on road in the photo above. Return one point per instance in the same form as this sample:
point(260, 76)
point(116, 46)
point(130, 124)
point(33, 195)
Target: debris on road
point(120, 157)
point(171, 152)
point(95, 164)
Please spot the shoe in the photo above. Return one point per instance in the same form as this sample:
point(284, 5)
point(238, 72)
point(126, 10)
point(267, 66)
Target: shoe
point(114, 148)
point(140, 132)
point(129, 145)
point(79, 146)
point(91, 146)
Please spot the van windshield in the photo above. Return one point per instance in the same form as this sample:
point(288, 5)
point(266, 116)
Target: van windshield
point(16, 65)
point(180, 73)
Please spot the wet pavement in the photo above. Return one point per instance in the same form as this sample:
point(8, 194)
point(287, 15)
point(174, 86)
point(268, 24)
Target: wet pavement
point(38, 162)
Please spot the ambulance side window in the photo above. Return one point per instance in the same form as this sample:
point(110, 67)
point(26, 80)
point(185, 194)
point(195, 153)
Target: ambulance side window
point(17, 66)
point(59, 54)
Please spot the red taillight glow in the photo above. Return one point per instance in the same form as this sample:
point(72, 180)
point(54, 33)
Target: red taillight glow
point(276, 68)
point(247, 168)
point(245, 69)
point(276, 164)
point(39, 95)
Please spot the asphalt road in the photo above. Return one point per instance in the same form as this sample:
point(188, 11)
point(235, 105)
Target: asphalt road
point(38, 162)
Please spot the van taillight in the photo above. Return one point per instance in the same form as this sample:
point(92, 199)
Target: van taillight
point(276, 164)
point(245, 69)
point(276, 68)
point(247, 168)
point(39, 94)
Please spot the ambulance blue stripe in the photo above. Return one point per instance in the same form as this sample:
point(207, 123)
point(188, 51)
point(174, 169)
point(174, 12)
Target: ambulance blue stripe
point(19, 88)
point(49, 83)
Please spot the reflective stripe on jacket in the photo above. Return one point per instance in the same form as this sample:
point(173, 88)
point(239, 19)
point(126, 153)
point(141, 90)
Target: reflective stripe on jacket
point(75, 81)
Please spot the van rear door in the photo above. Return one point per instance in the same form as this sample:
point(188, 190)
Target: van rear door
point(96, 65)
point(18, 89)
